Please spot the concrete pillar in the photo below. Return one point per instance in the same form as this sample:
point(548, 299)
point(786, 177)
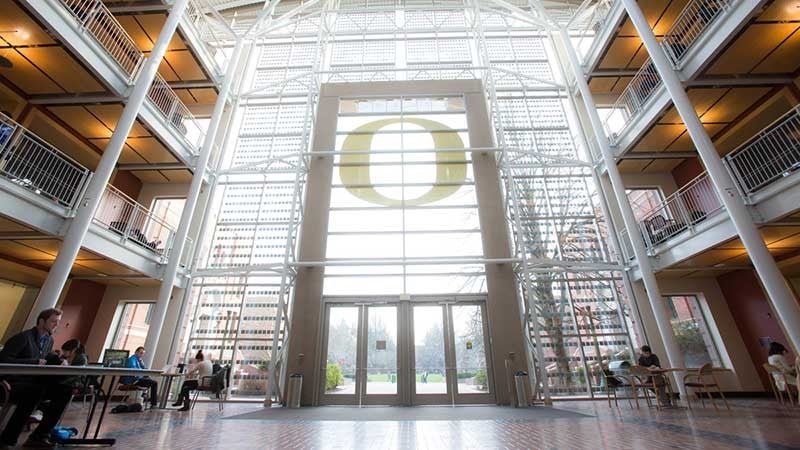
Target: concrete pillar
point(171, 270)
point(71, 245)
point(778, 291)
point(674, 356)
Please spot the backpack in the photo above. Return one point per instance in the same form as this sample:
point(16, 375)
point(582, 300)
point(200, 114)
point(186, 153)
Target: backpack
point(217, 384)
point(133, 407)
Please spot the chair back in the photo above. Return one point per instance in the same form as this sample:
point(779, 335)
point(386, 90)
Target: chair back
point(706, 370)
point(640, 372)
point(776, 376)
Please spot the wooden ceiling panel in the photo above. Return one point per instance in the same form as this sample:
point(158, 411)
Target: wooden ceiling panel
point(19, 29)
point(205, 96)
point(733, 104)
point(621, 85)
point(684, 142)
point(652, 9)
point(9, 226)
point(82, 121)
point(662, 165)
point(711, 257)
point(789, 242)
point(81, 271)
point(20, 251)
point(151, 150)
point(732, 244)
point(62, 68)
point(639, 58)
point(26, 76)
point(110, 114)
point(150, 176)
point(178, 176)
point(185, 65)
point(152, 25)
point(602, 85)
point(773, 234)
point(659, 137)
point(166, 71)
point(128, 155)
point(781, 11)
point(757, 39)
point(620, 52)
point(633, 165)
point(784, 59)
point(108, 267)
point(668, 17)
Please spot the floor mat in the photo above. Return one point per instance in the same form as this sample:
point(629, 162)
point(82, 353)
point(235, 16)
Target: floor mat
point(413, 413)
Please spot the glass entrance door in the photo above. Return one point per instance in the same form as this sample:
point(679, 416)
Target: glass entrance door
point(450, 363)
point(361, 365)
point(406, 352)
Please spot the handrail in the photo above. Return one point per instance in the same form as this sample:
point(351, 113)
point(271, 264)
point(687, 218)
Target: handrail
point(770, 155)
point(590, 27)
point(177, 115)
point(691, 204)
point(693, 20)
point(632, 100)
point(205, 32)
point(31, 162)
point(133, 222)
point(94, 17)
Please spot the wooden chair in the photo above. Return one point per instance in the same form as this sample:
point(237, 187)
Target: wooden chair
point(126, 389)
point(640, 378)
point(614, 382)
point(699, 379)
point(777, 381)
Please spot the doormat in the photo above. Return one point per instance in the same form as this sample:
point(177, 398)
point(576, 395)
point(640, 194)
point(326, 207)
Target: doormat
point(410, 413)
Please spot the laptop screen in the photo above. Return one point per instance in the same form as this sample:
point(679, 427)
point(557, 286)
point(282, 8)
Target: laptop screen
point(115, 358)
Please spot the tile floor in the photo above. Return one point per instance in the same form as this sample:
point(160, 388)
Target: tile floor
point(756, 424)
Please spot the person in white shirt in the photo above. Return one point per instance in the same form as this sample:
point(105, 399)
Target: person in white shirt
point(197, 371)
point(776, 358)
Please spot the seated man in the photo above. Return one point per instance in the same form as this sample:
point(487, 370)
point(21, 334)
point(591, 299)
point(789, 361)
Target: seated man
point(135, 362)
point(34, 346)
point(650, 360)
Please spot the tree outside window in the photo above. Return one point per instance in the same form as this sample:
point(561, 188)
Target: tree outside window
point(692, 331)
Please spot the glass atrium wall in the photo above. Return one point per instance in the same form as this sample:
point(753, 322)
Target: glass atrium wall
point(568, 282)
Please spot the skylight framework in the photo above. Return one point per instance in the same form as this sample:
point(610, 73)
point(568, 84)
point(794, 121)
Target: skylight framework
point(568, 280)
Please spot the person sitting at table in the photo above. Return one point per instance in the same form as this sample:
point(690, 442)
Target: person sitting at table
point(73, 353)
point(33, 347)
point(197, 370)
point(650, 360)
point(135, 362)
point(776, 358)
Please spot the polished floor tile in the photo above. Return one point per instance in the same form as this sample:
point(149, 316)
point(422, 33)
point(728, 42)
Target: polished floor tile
point(758, 424)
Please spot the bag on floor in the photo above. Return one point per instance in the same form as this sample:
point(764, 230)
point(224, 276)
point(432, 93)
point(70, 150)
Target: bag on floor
point(133, 407)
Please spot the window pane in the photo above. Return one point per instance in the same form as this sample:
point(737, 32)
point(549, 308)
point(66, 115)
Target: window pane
point(133, 325)
point(692, 332)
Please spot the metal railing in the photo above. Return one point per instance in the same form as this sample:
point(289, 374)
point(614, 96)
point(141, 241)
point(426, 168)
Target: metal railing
point(95, 18)
point(177, 115)
point(690, 205)
point(133, 222)
point(208, 35)
point(586, 30)
point(770, 155)
point(31, 162)
point(633, 98)
point(696, 16)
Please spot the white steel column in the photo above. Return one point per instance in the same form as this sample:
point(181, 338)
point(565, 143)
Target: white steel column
point(171, 271)
point(779, 293)
point(71, 245)
point(674, 356)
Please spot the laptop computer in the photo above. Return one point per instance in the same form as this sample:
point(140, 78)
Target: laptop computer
point(115, 357)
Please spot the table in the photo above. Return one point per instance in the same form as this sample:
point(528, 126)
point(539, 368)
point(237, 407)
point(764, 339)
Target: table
point(113, 372)
point(167, 378)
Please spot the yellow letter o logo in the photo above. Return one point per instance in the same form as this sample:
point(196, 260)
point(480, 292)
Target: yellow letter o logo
point(451, 168)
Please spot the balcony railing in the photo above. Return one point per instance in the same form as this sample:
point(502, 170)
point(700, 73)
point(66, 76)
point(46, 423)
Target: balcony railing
point(176, 114)
point(133, 222)
point(212, 38)
point(633, 98)
point(588, 24)
point(690, 205)
point(772, 154)
point(695, 18)
point(29, 161)
point(97, 20)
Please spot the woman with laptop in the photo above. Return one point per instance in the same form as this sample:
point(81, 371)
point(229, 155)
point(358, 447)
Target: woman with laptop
point(198, 370)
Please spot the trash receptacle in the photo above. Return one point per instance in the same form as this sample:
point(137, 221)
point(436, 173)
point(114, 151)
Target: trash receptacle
point(294, 390)
point(521, 388)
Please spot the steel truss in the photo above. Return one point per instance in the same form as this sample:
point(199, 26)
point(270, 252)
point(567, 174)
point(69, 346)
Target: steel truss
point(568, 281)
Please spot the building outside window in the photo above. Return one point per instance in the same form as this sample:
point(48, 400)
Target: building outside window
point(644, 201)
point(692, 331)
point(132, 326)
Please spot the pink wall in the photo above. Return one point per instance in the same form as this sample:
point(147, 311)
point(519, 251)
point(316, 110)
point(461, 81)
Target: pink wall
point(753, 315)
point(687, 171)
point(126, 182)
point(80, 307)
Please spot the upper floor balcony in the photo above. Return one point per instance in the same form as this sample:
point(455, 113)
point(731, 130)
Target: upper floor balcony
point(41, 186)
point(97, 38)
point(763, 167)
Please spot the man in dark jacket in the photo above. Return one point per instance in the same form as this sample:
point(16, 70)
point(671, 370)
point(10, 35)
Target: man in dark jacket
point(33, 347)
